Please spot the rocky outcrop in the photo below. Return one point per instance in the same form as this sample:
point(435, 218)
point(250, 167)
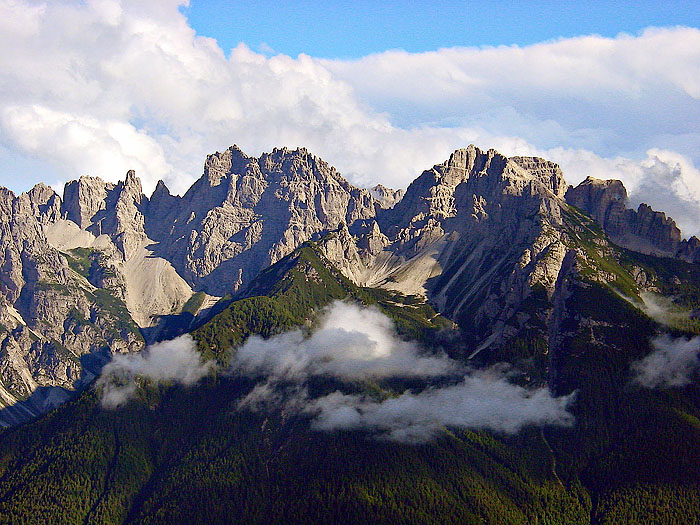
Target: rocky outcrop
point(102, 208)
point(604, 200)
point(42, 203)
point(548, 172)
point(386, 197)
point(246, 213)
point(83, 199)
point(643, 230)
point(51, 315)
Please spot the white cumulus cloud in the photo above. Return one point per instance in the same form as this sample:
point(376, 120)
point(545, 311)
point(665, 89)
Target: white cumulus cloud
point(103, 86)
point(351, 343)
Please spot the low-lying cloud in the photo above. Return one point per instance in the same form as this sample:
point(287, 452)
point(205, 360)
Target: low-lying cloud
point(483, 400)
point(660, 308)
point(672, 363)
point(354, 343)
point(176, 360)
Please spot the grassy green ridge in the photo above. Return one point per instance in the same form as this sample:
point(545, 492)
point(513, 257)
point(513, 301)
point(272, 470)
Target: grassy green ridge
point(288, 293)
point(194, 303)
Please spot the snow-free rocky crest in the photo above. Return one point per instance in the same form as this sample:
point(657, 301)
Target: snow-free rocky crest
point(88, 275)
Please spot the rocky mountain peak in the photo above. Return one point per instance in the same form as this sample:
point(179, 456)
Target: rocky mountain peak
point(43, 202)
point(218, 165)
point(125, 221)
point(602, 199)
point(161, 191)
point(386, 197)
point(547, 172)
point(473, 180)
point(297, 165)
point(101, 207)
point(84, 198)
point(643, 230)
point(41, 194)
point(132, 186)
point(50, 312)
point(251, 210)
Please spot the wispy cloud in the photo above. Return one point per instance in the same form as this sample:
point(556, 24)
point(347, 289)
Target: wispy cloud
point(482, 400)
point(354, 343)
point(673, 363)
point(176, 361)
point(660, 308)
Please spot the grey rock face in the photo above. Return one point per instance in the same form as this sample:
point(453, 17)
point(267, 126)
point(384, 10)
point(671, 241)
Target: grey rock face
point(83, 199)
point(548, 172)
point(103, 208)
point(50, 314)
point(43, 203)
point(493, 226)
point(242, 215)
point(246, 213)
point(643, 230)
point(386, 196)
point(604, 200)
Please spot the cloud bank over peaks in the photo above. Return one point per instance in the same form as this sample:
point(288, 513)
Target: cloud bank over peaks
point(353, 343)
point(100, 87)
point(673, 363)
point(175, 361)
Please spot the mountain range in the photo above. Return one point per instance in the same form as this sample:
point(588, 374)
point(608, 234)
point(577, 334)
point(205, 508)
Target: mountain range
point(487, 260)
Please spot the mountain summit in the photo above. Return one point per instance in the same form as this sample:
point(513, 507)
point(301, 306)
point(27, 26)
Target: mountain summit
point(99, 270)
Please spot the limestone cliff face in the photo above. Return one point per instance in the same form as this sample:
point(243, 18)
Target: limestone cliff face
point(42, 203)
point(477, 228)
point(83, 199)
point(547, 172)
point(50, 314)
point(478, 235)
point(246, 213)
point(643, 230)
point(102, 208)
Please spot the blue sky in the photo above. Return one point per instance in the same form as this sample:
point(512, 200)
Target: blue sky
point(381, 90)
point(346, 29)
